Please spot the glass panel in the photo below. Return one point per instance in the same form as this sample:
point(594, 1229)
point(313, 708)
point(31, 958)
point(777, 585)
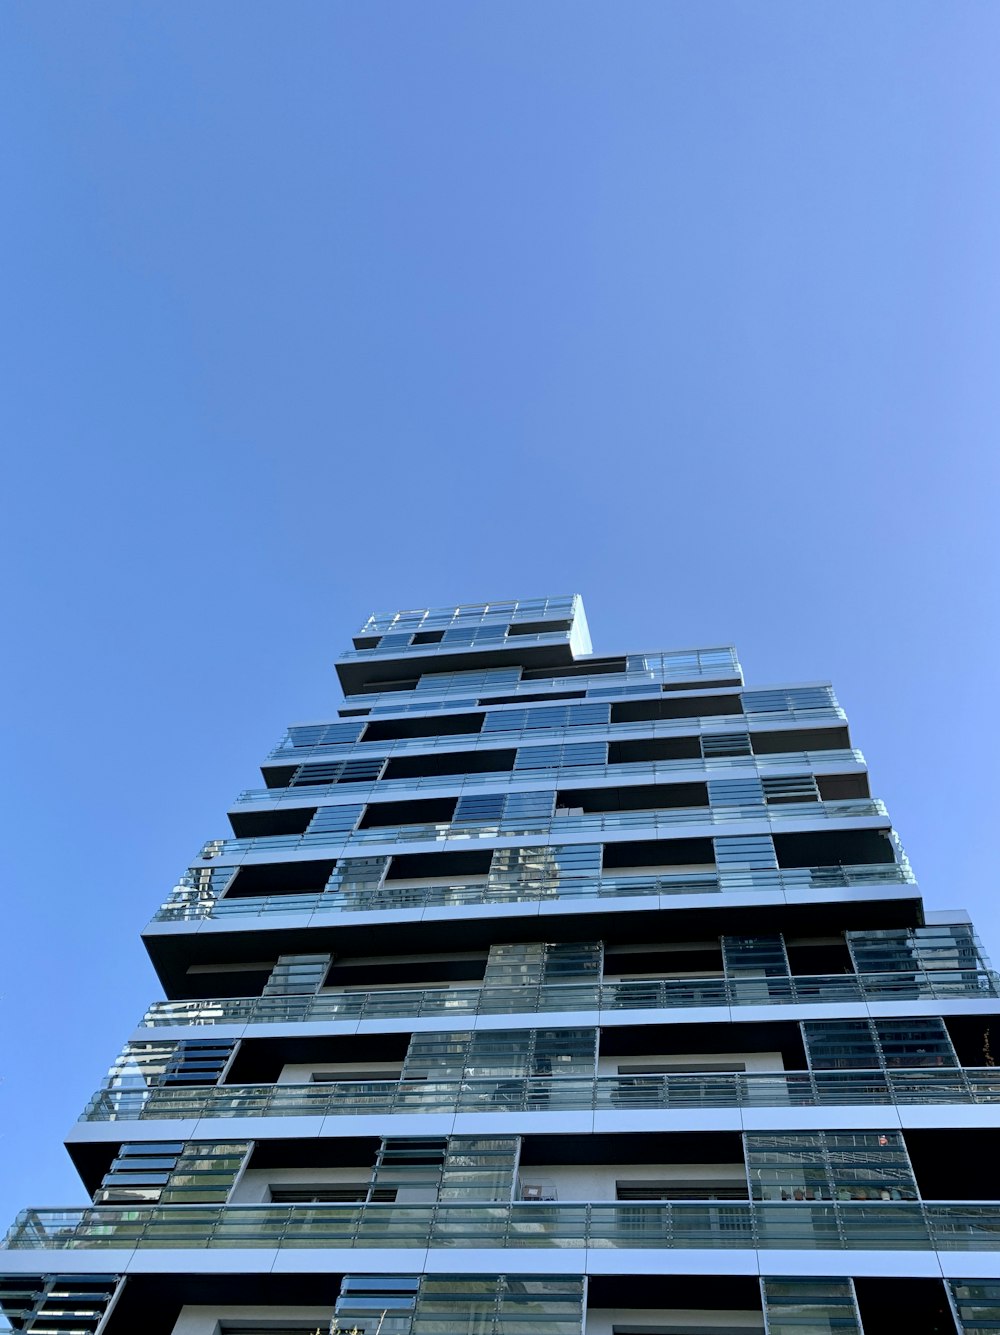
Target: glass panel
point(916, 1042)
point(797, 1306)
point(842, 1166)
point(745, 852)
point(840, 1045)
point(977, 1305)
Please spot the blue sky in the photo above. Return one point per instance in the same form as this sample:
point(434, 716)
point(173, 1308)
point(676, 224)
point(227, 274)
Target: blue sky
point(314, 308)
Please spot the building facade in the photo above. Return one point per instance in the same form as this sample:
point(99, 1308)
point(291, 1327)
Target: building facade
point(542, 992)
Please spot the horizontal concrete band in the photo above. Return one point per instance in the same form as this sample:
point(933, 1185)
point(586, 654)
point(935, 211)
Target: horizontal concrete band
point(576, 1019)
point(859, 1117)
point(498, 1261)
point(275, 920)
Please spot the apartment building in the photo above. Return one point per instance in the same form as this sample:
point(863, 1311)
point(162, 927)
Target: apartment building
point(540, 992)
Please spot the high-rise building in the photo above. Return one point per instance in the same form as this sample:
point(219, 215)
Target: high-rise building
point(539, 993)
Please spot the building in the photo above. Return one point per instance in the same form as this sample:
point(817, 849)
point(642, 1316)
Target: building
point(541, 992)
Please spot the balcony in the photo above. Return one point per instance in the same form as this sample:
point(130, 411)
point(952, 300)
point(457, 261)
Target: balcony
point(645, 994)
point(882, 1226)
point(286, 750)
point(638, 771)
point(570, 827)
point(722, 1089)
point(362, 671)
point(191, 903)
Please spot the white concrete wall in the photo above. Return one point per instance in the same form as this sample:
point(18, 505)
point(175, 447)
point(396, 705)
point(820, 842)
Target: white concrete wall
point(661, 869)
point(474, 980)
point(682, 975)
point(751, 1061)
point(596, 1182)
point(301, 1073)
point(252, 1188)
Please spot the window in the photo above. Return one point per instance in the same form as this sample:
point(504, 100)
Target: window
point(332, 1077)
point(365, 770)
point(554, 716)
point(693, 1189)
point(557, 757)
point(330, 1195)
point(322, 734)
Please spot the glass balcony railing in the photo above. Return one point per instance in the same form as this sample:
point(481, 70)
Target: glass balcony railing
point(865, 1226)
point(556, 827)
point(558, 635)
point(286, 749)
point(194, 903)
point(721, 1089)
point(524, 780)
point(644, 994)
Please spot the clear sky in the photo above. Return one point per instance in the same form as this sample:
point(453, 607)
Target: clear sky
point(311, 308)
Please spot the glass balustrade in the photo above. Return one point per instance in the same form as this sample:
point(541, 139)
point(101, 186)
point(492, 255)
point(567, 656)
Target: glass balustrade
point(865, 1226)
point(648, 772)
point(562, 826)
point(717, 1089)
point(189, 903)
point(637, 994)
point(287, 748)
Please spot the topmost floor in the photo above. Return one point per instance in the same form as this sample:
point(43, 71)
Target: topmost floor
point(546, 636)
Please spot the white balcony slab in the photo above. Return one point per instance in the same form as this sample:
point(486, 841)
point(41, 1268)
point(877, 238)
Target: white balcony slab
point(671, 1261)
point(514, 1122)
point(173, 927)
point(836, 1262)
point(970, 1005)
point(805, 1261)
point(970, 1265)
point(333, 918)
point(256, 1128)
point(63, 1261)
point(949, 1115)
point(196, 1260)
point(852, 894)
point(794, 1011)
point(399, 1024)
point(347, 1260)
point(667, 1015)
point(396, 1124)
point(664, 1119)
point(459, 912)
point(853, 1117)
point(275, 921)
point(505, 1260)
point(568, 905)
point(174, 1033)
point(84, 1133)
